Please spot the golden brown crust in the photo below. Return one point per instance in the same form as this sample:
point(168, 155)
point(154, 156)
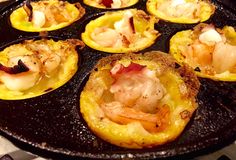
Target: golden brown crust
point(190, 80)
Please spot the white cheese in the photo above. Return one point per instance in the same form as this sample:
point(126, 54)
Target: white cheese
point(210, 37)
point(38, 18)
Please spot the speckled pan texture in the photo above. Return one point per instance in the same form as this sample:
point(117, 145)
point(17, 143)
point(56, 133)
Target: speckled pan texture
point(51, 125)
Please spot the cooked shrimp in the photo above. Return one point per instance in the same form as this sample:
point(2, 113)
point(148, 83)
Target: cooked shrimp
point(137, 92)
point(224, 58)
point(125, 26)
point(51, 63)
point(50, 60)
point(24, 80)
point(199, 53)
point(138, 89)
point(117, 112)
point(211, 50)
point(45, 14)
point(106, 37)
point(121, 35)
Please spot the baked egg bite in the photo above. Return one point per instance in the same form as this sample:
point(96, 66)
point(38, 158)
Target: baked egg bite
point(35, 67)
point(210, 51)
point(121, 31)
point(45, 15)
point(181, 11)
point(113, 4)
point(139, 100)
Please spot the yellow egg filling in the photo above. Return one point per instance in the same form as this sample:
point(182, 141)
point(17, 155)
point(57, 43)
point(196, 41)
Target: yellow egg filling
point(121, 32)
point(33, 68)
point(47, 15)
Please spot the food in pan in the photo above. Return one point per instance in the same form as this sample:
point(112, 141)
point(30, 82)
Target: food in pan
point(181, 11)
point(210, 51)
point(45, 15)
point(139, 100)
point(110, 3)
point(121, 31)
point(35, 67)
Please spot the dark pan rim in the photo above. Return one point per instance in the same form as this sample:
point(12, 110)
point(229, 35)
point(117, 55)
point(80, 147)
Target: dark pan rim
point(199, 148)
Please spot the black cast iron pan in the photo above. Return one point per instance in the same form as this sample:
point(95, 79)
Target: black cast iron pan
point(51, 125)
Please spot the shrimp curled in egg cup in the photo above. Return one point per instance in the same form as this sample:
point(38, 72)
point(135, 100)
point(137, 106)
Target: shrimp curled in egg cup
point(138, 101)
point(121, 31)
point(181, 11)
point(210, 51)
point(36, 67)
point(45, 15)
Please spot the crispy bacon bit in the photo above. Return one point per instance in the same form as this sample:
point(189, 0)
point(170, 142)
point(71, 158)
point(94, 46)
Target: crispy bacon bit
point(76, 42)
point(19, 68)
point(131, 22)
point(28, 9)
point(185, 114)
point(120, 69)
point(107, 3)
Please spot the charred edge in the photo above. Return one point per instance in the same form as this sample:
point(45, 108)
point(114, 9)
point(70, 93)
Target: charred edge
point(185, 114)
point(81, 10)
point(28, 9)
point(49, 89)
point(177, 65)
point(76, 42)
point(197, 69)
point(190, 80)
point(19, 68)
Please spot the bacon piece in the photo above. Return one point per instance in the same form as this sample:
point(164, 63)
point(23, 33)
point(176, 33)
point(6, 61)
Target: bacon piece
point(107, 3)
point(19, 68)
point(131, 22)
point(120, 69)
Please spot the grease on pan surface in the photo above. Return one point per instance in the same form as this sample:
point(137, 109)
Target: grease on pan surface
point(33, 68)
point(138, 101)
point(110, 3)
point(209, 50)
point(46, 15)
point(181, 11)
point(121, 31)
